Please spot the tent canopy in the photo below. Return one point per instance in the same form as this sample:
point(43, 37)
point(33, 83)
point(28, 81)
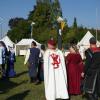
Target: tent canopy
point(27, 42)
point(84, 44)
point(85, 40)
point(7, 41)
point(23, 45)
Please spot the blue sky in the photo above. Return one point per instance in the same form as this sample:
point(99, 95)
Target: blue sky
point(83, 10)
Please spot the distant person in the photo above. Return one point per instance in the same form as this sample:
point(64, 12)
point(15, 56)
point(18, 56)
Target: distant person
point(92, 71)
point(74, 66)
point(55, 78)
point(32, 58)
point(10, 72)
point(40, 66)
point(4, 56)
point(1, 50)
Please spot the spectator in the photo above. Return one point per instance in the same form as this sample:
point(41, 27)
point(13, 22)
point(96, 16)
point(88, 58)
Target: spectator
point(92, 71)
point(55, 78)
point(74, 66)
point(10, 63)
point(32, 57)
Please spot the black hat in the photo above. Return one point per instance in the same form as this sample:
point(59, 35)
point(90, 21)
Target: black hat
point(92, 40)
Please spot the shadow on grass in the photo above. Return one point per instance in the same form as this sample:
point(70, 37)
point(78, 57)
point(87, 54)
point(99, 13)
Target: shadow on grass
point(5, 85)
point(19, 96)
point(19, 74)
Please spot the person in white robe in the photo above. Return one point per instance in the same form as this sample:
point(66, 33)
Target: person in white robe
point(55, 76)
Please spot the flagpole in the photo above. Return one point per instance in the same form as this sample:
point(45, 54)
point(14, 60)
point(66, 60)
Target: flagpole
point(96, 24)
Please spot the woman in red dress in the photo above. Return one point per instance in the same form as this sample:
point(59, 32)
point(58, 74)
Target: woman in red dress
point(74, 67)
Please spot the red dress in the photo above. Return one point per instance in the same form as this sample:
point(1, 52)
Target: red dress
point(74, 67)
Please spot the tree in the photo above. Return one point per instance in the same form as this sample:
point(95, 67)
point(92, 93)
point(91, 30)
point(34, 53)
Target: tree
point(74, 23)
point(13, 22)
point(19, 28)
point(45, 14)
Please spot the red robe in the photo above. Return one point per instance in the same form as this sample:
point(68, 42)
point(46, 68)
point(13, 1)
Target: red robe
point(74, 67)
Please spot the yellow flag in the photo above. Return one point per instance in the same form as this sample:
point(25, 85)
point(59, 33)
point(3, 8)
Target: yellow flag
point(62, 25)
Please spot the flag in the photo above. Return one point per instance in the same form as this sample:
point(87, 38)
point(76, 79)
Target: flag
point(62, 25)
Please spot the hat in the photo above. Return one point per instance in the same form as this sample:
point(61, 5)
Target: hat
point(92, 40)
point(52, 42)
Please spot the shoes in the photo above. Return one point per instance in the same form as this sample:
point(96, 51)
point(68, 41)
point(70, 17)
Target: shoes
point(37, 82)
point(32, 80)
point(1, 92)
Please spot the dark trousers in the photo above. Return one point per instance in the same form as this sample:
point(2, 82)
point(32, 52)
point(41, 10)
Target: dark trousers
point(32, 71)
point(39, 74)
point(3, 70)
point(94, 95)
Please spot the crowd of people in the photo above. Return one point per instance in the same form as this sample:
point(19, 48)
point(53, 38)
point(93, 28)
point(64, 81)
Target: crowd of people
point(64, 74)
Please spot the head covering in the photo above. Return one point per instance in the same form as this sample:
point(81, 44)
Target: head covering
point(92, 40)
point(52, 42)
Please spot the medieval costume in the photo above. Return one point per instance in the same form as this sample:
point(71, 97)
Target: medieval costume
point(40, 67)
point(4, 56)
point(10, 72)
point(55, 79)
point(92, 71)
point(74, 66)
point(32, 57)
point(3, 51)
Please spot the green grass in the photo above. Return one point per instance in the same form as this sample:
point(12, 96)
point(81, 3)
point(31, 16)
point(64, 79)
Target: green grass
point(19, 88)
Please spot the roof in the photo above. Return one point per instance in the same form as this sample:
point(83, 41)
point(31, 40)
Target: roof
point(27, 42)
point(7, 41)
point(85, 40)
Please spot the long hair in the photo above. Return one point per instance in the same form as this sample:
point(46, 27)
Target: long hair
point(75, 48)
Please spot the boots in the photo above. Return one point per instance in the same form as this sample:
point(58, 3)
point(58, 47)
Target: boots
point(92, 97)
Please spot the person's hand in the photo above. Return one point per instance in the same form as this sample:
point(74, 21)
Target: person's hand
point(82, 75)
point(25, 64)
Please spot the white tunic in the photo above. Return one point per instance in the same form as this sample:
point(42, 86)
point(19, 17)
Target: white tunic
point(55, 78)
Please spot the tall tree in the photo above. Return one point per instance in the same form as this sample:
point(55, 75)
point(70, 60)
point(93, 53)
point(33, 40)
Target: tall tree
point(75, 23)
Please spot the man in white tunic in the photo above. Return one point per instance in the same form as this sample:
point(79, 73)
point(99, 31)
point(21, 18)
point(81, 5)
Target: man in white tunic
point(55, 78)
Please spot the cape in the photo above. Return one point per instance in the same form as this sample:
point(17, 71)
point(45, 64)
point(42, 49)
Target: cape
point(55, 76)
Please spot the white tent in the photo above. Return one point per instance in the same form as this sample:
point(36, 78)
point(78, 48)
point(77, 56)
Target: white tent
point(7, 41)
point(23, 45)
point(84, 43)
point(85, 40)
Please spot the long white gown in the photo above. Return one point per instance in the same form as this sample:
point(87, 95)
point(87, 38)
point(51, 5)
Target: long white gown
point(55, 78)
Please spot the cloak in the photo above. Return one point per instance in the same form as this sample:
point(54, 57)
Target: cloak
point(55, 77)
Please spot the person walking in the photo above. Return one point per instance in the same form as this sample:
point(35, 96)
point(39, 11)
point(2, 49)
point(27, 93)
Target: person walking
point(92, 71)
point(55, 77)
point(10, 72)
point(40, 66)
point(4, 56)
point(32, 58)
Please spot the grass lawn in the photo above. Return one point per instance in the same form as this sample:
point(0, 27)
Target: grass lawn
point(19, 88)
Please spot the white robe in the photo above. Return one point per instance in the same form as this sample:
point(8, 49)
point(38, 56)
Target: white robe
point(55, 78)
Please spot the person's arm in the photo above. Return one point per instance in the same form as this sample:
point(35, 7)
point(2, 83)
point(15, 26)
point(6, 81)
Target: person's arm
point(87, 62)
point(63, 66)
point(46, 68)
point(27, 56)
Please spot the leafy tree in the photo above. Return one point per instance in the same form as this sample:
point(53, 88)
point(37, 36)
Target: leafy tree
point(45, 14)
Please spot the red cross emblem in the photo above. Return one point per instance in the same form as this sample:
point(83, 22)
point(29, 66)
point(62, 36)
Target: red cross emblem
point(56, 60)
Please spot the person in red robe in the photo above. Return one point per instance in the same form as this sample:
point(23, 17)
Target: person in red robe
point(74, 67)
